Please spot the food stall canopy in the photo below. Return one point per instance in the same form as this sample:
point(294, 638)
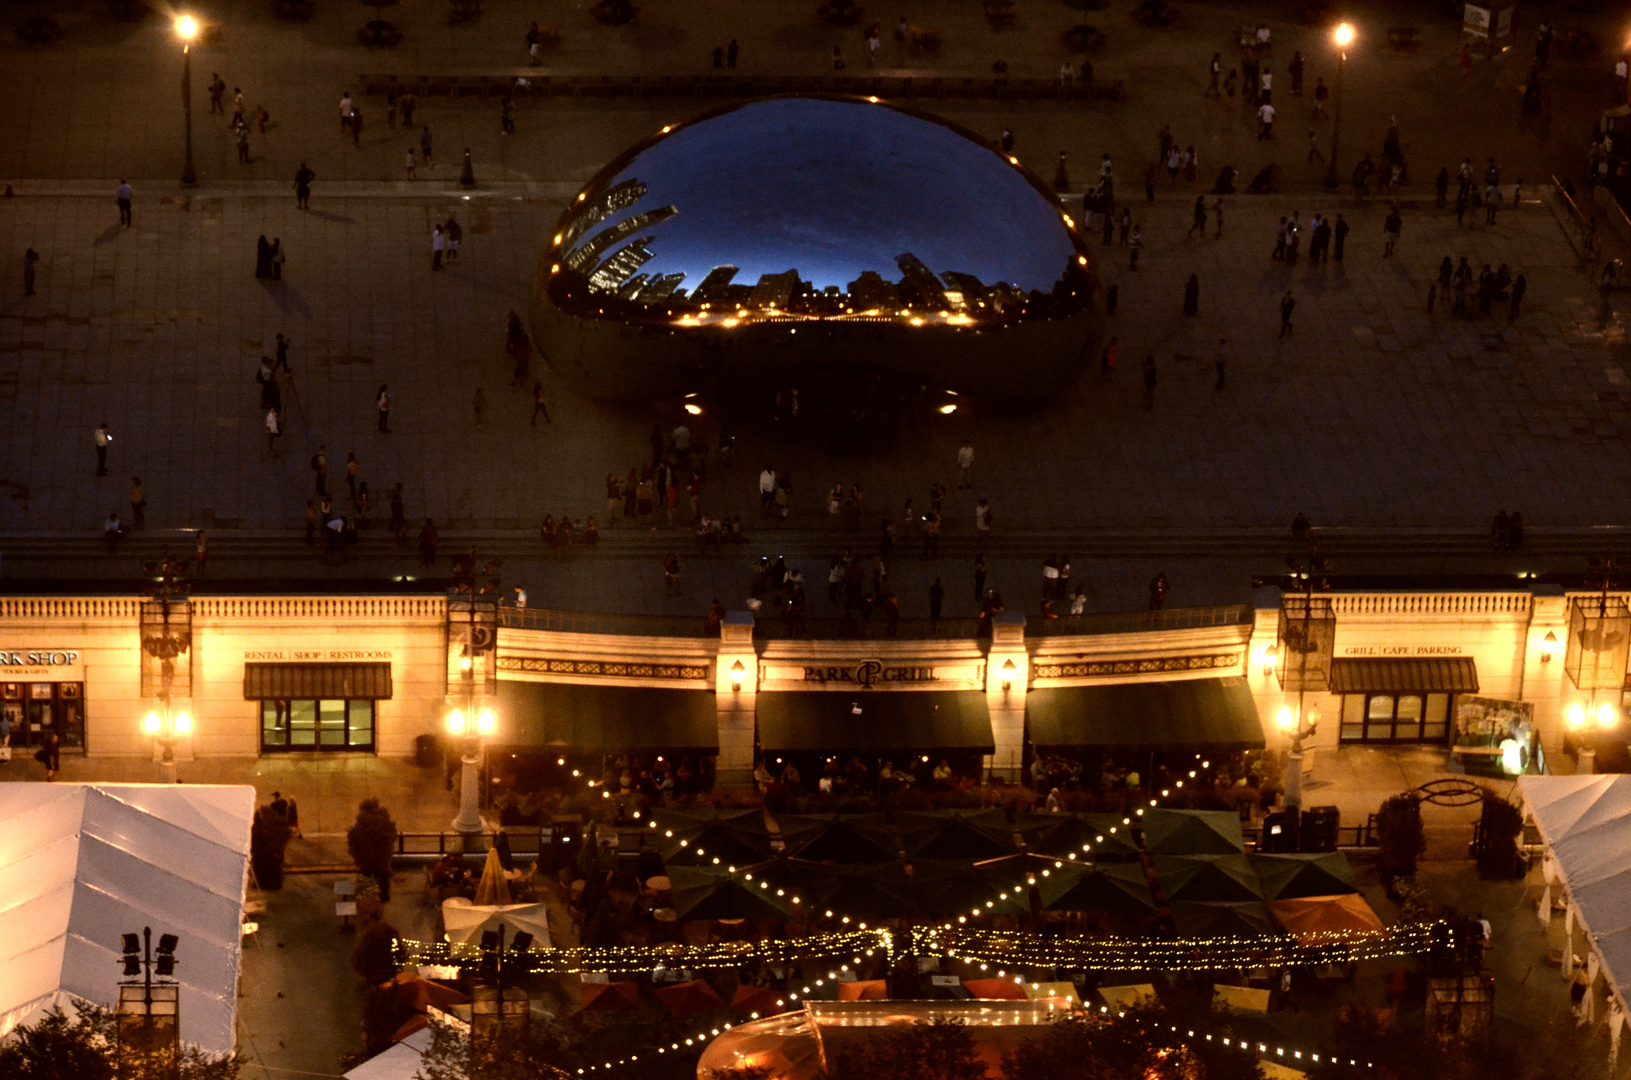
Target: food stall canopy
point(81, 864)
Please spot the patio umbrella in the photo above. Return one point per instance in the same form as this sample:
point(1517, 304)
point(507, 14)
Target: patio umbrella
point(465, 922)
point(1115, 888)
point(421, 994)
point(1207, 878)
point(956, 834)
point(1064, 836)
point(1201, 919)
point(1291, 877)
point(1309, 915)
point(492, 890)
point(1192, 832)
point(734, 837)
point(683, 999)
point(995, 989)
point(840, 838)
point(711, 892)
point(956, 888)
point(883, 891)
point(864, 990)
point(756, 999)
point(611, 997)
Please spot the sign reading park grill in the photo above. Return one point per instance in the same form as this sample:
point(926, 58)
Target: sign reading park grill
point(870, 673)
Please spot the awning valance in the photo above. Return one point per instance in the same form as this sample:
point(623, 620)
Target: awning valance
point(1439, 674)
point(874, 720)
point(605, 719)
point(264, 682)
point(1183, 714)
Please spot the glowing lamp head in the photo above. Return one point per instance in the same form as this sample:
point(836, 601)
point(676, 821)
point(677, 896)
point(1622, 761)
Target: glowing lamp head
point(1286, 718)
point(182, 723)
point(485, 722)
point(738, 673)
point(693, 409)
point(186, 27)
point(455, 722)
point(464, 663)
point(151, 723)
point(1607, 716)
point(1343, 35)
point(1576, 715)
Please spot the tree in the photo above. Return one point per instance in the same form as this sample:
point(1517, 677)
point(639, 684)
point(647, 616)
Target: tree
point(371, 840)
point(941, 1049)
point(268, 839)
point(86, 1047)
point(1399, 836)
point(374, 956)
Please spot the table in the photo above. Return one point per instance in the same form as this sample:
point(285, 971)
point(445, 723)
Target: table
point(466, 10)
point(1404, 37)
point(927, 38)
point(379, 32)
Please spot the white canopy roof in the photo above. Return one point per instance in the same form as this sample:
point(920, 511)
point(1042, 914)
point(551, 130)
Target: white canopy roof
point(81, 864)
point(1586, 824)
point(400, 1061)
point(466, 921)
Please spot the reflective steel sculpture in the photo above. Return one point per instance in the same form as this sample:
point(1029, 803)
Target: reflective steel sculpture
point(762, 242)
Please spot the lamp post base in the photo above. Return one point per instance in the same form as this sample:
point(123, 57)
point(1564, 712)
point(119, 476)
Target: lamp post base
point(469, 822)
point(1294, 780)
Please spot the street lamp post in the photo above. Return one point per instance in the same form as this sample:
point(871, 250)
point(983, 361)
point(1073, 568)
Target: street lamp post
point(166, 730)
point(187, 30)
point(1343, 36)
point(472, 728)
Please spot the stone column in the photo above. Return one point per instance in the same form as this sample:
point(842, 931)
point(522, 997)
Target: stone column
point(1007, 677)
point(736, 686)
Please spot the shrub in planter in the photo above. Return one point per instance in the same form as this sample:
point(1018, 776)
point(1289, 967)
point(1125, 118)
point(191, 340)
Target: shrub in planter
point(371, 840)
point(1498, 832)
point(268, 839)
point(1399, 837)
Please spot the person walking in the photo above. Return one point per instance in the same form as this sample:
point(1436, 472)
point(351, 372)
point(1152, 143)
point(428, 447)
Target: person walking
point(201, 546)
point(1217, 212)
point(425, 148)
point(428, 538)
point(382, 401)
point(982, 518)
point(1322, 94)
point(454, 234)
point(276, 259)
point(1390, 231)
point(121, 195)
point(353, 473)
point(539, 407)
point(1314, 152)
point(1288, 304)
point(1295, 70)
point(1192, 295)
point(274, 428)
point(31, 259)
point(217, 89)
point(138, 504)
point(1339, 236)
point(1197, 218)
point(319, 466)
point(240, 135)
point(1136, 244)
point(965, 465)
point(1220, 360)
point(437, 243)
point(1265, 121)
point(1216, 69)
point(412, 164)
point(1147, 366)
point(302, 186)
point(103, 439)
point(1520, 285)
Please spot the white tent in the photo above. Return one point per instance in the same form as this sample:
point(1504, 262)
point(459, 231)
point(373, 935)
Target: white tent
point(465, 921)
point(81, 864)
point(398, 1062)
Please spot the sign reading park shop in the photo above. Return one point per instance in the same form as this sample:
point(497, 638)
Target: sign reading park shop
point(38, 658)
point(869, 673)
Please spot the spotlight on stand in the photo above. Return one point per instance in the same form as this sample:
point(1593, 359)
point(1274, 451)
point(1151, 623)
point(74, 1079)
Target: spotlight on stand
point(165, 965)
point(522, 942)
point(132, 949)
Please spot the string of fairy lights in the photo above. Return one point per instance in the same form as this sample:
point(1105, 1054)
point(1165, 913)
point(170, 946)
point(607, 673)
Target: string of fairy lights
point(629, 959)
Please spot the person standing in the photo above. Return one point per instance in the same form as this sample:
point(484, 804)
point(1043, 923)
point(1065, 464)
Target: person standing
point(982, 518)
point(276, 259)
point(1339, 236)
point(121, 195)
point(1192, 295)
point(1441, 187)
point(539, 407)
point(1295, 70)
point(104, 439)
point(1149, 183)
point(406, 103)
point(302, 186)
point(1198, 218)
point(1216, 71)
point(274, 428)
point(138, 504)
point(965, 465)
point(412, 163)
point(1107, 359)
point(31, 259)
point(1322, 94)
point(383, 401)
point(319, 466)
point(427, 543)
point(1314, 152)
point(1220, 360)
point(1147, 366)
point(437, 243)
point(1136, 244)
point(454, 234)
point(353, 473)
point(1390, 231)
point(201, 546)
point(1520, 285)
point(313, 522)
point(1288, 304)
point(217, 89)
point(730, 53)
point(424, 148)
point(1217, 211)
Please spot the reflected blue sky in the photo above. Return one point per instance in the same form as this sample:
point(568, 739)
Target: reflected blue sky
point(834, 188)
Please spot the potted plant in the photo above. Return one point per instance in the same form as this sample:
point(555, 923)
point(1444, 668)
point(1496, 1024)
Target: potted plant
point(1498, 830)
point(268, 838)
point(1399, 837)
point(371, 840)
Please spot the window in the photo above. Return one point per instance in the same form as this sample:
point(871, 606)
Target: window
point(1395, 718)
point(324, 724)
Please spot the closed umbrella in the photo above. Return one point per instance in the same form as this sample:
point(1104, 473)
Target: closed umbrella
point(683, 999)
point(492, 890)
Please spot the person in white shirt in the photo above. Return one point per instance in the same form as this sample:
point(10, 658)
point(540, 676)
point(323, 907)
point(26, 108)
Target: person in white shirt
point(1265, 119)
point(122, 195)
point(965, 463)
point(767, 488)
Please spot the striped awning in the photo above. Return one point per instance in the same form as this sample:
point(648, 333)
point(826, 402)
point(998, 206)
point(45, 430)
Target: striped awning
point(1439, 674)
point(277, 682)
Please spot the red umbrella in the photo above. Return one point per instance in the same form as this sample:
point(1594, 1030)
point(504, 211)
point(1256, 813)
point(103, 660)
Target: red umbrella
point(756, 999)
point(421, 994)
point(611, 997)
point(686, 998)
point(416, 1022)
point(999, 989)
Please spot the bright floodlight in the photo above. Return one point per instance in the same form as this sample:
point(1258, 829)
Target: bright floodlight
point(1576, 715)
point(186, 27)
point(151, 723)
point(1285, 717)
point(183, 723)
point(1344, 35)
point(455, 722)
point(1606, 715)
point(484, 722)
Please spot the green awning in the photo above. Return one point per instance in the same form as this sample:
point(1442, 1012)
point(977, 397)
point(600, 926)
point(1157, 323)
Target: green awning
point(878, 720)
point(1448, 674)
point(605, 719)
point(1185, 714)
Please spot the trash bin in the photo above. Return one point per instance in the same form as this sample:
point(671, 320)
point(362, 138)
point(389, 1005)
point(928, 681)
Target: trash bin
point(428, 751)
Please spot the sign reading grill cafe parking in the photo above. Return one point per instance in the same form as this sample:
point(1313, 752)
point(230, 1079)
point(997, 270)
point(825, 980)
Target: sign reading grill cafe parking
point(869, 673)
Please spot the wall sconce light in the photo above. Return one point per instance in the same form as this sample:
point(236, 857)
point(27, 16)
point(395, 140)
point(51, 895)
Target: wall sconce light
point(1271, 656)
point(1548, 647)
point(1008, 670)
point(738, 673)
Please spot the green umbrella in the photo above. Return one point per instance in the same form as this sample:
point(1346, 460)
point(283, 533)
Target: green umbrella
point(1064, 835)
point(957, 888)
point(840, 838)
point(1215, 878)
point(708, 892)
point(1292, 877)
point(880, 891)
point(1248, 918)
point(956, 834)
point(1192, 832)
point(710, 838)
point(1116, 888)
